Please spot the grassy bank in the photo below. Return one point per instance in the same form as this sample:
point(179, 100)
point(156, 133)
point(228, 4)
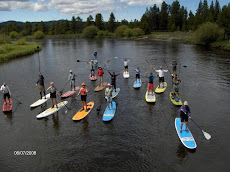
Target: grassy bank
point(179, 36)
point(225, 45)
point(16, 49)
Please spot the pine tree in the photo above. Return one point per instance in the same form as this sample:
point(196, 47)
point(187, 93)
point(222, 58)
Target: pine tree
point(191, 21)
point(164, 16)
point(217, 10)
point(42, 27)
point(52, 28)
point(35, 27)
point(66, 26)
point(111, 23)
point(224, 18)
point(89, 20)
point(79, 25)
point(73, 25)
point(211, 13)
point(27, 28)
point(205, 11)
point(99, 21)
point(175, 17)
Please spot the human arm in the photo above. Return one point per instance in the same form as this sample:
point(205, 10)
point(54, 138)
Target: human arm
point(109, 72)
point(48, 88)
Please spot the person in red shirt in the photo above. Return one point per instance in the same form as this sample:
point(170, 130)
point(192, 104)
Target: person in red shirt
point(83, 91)
point(100, 74)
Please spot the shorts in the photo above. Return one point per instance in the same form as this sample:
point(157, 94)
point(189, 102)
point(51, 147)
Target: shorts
point(41, 88)
point(6, 95)
point(72, 82)
point(53, 95)
point(138, 76)
point(109, 99)
point(175, 88)
point(92, 70)
point(174, 68)
point(150, 86)
point(161, 79)
point(183, 117)
point(126, 67)
point(83, 98)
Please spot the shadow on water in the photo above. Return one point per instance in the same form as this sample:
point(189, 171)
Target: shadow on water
point(182, 151)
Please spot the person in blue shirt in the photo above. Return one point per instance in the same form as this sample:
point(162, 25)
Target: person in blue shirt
point(150, 82)
point(185, 113)
point(95, 57)
point(138, 73)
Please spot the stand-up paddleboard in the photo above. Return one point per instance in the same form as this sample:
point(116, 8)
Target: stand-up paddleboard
point(82, 113)
point(185, 136)
point(7, 106)
point(176, 101)
point(109, 112)
point(100, 88)
point(115, 93)
point(126, 74)
point(137, 84)
point(95, 61)
point(161, 89)
point(70, 93)
point(40, 101)
point(149, 97)
point(92, 78)
point(51, 110)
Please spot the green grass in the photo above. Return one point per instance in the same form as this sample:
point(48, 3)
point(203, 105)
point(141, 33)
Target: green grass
point(224, 44)
point(17, 49)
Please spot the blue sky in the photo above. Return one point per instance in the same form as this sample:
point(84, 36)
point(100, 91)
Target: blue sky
point(46, 10)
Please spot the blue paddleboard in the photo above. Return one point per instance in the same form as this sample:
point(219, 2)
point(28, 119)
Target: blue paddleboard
point(186, 136)
point(137, 84)
point(109, 113)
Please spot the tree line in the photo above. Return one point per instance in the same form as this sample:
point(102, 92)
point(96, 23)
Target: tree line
point(172, 17)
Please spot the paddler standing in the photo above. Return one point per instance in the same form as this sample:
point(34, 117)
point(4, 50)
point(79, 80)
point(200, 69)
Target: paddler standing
point(161, 76)
point(126, 65)
point(72, 80)
point(83, 91)
point(6, 92)
point(138, 73)
point(41, 85)
point(174, 66)
point(95, 57)
point(113, 79)
point(53, 94)
point(175, 91)
point(150, 82)
point(92, 71)
point(108, 95)
point(100, 74)
point(185, 113)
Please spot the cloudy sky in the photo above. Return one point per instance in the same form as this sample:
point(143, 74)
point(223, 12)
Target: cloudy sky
point(45, 10)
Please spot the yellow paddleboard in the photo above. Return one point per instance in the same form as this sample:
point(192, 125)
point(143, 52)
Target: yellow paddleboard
point(179, 103)
point(100, 88)
point(82, 113)
point(149, 97)
point(161, 89)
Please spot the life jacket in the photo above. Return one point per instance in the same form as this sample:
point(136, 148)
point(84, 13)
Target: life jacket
point(100, 72)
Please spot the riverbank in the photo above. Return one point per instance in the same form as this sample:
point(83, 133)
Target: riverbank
point(17, 49)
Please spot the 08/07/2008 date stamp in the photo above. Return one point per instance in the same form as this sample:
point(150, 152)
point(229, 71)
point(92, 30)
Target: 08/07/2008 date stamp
point(24, 152)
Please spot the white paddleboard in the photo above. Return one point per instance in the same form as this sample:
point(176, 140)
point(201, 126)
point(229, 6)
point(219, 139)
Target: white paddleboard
point(114, 94)
point(40, 101)
point(126, 74)
point(51, 110)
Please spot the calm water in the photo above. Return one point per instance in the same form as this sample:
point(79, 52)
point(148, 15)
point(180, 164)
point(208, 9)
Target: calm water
point(142, 136)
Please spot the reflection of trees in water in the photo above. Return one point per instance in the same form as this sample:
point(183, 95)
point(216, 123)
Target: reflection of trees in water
point(85, 125)
point(55, 119)
point(182, 151)
point(9, 116)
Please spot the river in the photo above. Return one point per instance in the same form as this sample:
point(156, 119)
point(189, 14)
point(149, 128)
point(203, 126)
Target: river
point(141, 136)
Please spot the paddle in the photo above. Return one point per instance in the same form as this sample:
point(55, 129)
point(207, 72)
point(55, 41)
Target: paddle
point(82, 61)
point(16, 100)
point(64, 87)
point(65, 106)
point(38, 57)
point(206, 135)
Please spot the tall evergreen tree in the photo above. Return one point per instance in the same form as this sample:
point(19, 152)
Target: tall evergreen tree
point(89, 20)
point(66, 26)
point(111, 23)
point(191, 21)
point(79, 24)
point(27, 28)
point(224, 18)
point(164, 16)
point(52, 28)
point(217, 10)
point(35, 27)
point(211, 13)
point(42, 27)
point(73, 25)
point(175, 17)
point(144, 24)
point(99, 21)
point(205, 11)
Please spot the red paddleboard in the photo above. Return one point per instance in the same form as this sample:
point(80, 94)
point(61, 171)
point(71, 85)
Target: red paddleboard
point(8, 106)
point(70, 93)
point(94, 78)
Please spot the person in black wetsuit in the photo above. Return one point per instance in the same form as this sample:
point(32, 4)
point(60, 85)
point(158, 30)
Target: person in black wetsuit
point(41, 85)
point(113, 79)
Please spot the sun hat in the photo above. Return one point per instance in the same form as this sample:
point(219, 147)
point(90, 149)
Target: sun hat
point(185, 103)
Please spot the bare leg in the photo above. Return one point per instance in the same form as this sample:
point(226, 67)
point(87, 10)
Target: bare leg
point(181, 124)
point(52, 102)
point(186, 124)
point(56, 102)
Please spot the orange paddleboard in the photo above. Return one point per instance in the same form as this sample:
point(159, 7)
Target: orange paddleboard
point(100, 88)
point(82, 113)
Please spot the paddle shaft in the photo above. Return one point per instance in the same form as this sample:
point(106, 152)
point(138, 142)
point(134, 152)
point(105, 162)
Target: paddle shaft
point(64, 104)
point(196, 124)
point(64, 87)
point(16, 100)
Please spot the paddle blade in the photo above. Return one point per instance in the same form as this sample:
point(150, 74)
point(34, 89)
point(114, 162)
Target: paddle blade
point(206, 135)
point(115, 57)
point(65, 111)
point(78, 60)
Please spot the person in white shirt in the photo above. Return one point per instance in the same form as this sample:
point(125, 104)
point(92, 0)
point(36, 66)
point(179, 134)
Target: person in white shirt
point(72, 80)
point(126, 65)
point(161, 76)
point(6, 92)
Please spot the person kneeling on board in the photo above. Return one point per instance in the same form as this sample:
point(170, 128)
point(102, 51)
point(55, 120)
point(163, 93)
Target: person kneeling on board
point(108, 95)
point(161, 76)
point(138, 73)
point(41, 84)
point(175, 91)
point(100, 74)
point(126, 65)
point(185, 113)
point(113, 79)
point(72, 80)
point(6, 92)
point(53, 94)
point(150, 82)
point(83, 91)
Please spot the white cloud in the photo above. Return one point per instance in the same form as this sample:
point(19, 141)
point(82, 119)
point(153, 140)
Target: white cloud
point(141, 2)
point(74, 7)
